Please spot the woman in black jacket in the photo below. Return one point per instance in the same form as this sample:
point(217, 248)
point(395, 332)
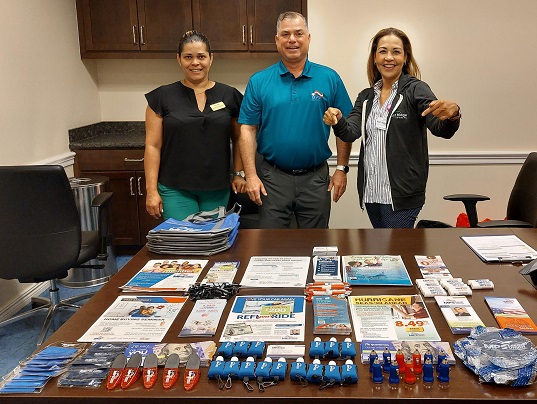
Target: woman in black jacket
point(394, 115)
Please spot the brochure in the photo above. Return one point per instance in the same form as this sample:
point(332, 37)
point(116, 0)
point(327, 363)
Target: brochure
point(407, 347)
point(204, 318)
point(509, 313)
point(135, 318)
point(392, 318)
point(432, 266)
point(204, 349)
point(165, 276)
point(265, 318)
point(222, 272)
point(276, 272)
point(326, 269)
point(375, 270)
point(459, 314)
point(330, 316)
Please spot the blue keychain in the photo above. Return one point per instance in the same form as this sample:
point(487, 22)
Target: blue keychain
point(316, 348)
point(225, 350)
point(347, 349)
point(298, 371)
point(247, 372)
point(315, 372)
point(331, 349)
point(278, 370)
point(231, 371)
point(240, 349)
point(216, 371)
point(256, 349)
point(332, 375)
point(262, 372)
point(349, 373)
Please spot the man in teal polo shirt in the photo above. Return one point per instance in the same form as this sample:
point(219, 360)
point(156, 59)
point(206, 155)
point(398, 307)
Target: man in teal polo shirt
point(282, 119)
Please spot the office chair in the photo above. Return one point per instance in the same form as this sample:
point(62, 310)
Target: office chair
point(41, 237)
point(522, 204)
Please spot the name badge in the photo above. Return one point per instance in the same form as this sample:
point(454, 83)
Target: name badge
point(380, 123)
point(217, 106)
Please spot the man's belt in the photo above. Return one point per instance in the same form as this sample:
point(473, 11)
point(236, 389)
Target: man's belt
point(301, 171)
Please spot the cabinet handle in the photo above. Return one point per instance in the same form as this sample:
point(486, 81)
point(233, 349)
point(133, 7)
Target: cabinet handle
point(128, 160)
point(134, 35)
point(244, 34)
point(131, 185)
point(142, 42)
point(251, 34)
point(140, 186)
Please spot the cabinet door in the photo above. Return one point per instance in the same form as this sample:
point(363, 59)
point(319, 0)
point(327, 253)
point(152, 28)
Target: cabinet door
point(109, 25)
point(223, 22)
point(146, 222)
point(162, 23)
point(262, 16)
point(124, 223)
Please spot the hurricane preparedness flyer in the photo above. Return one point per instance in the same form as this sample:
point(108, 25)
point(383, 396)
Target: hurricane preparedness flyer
point(266, 318)
point(391, 318)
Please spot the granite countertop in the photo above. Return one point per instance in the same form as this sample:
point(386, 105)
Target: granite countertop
point(108, 135)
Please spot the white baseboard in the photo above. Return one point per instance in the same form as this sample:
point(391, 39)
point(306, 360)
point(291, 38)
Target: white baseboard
point(22, 300)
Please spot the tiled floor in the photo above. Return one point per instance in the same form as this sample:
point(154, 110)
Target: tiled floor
point(18, 340)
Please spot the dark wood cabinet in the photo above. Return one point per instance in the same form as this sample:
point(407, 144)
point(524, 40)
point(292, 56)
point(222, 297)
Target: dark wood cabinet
point(152, 28)
point(249, 25)
point(129, 27)
point(129, 221)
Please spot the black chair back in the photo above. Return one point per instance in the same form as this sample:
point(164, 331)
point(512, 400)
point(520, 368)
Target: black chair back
point(40, 234)
point(522, 203)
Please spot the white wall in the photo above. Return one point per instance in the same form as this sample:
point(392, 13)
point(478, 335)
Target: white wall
point(479, 54)
point(45, 90)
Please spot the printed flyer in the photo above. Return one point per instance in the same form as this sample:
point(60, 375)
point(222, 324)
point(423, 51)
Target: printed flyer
point(391, 318)
point(135, 319)
point(276, 272)
point(165, 276)
point(266, 318)
point(509, 313)
point(375, 270)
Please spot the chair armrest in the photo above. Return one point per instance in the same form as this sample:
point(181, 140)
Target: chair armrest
point(469, 201)
point(466, 197)
point(503, 223)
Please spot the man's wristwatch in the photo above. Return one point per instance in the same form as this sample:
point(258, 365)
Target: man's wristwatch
point(239, 174)
point(345, 169)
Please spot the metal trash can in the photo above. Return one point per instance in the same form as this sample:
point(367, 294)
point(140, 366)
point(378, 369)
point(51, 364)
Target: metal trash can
point(84, 190)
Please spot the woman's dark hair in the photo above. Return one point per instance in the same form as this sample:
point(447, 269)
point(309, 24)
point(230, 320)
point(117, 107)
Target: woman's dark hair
point(193, 36)
point(410, 67)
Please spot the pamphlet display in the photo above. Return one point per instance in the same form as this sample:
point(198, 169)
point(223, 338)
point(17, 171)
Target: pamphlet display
point(222, 272)
point(375, 270)
point(165, 276)
point(392, 318)
point(330, 316)
point(459, 314)
point(432, 266)
point(135, 318)
point(204, 318)
point(509, 313)
point(265, 318)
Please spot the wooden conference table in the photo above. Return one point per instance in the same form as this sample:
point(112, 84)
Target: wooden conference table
point(459, 259)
